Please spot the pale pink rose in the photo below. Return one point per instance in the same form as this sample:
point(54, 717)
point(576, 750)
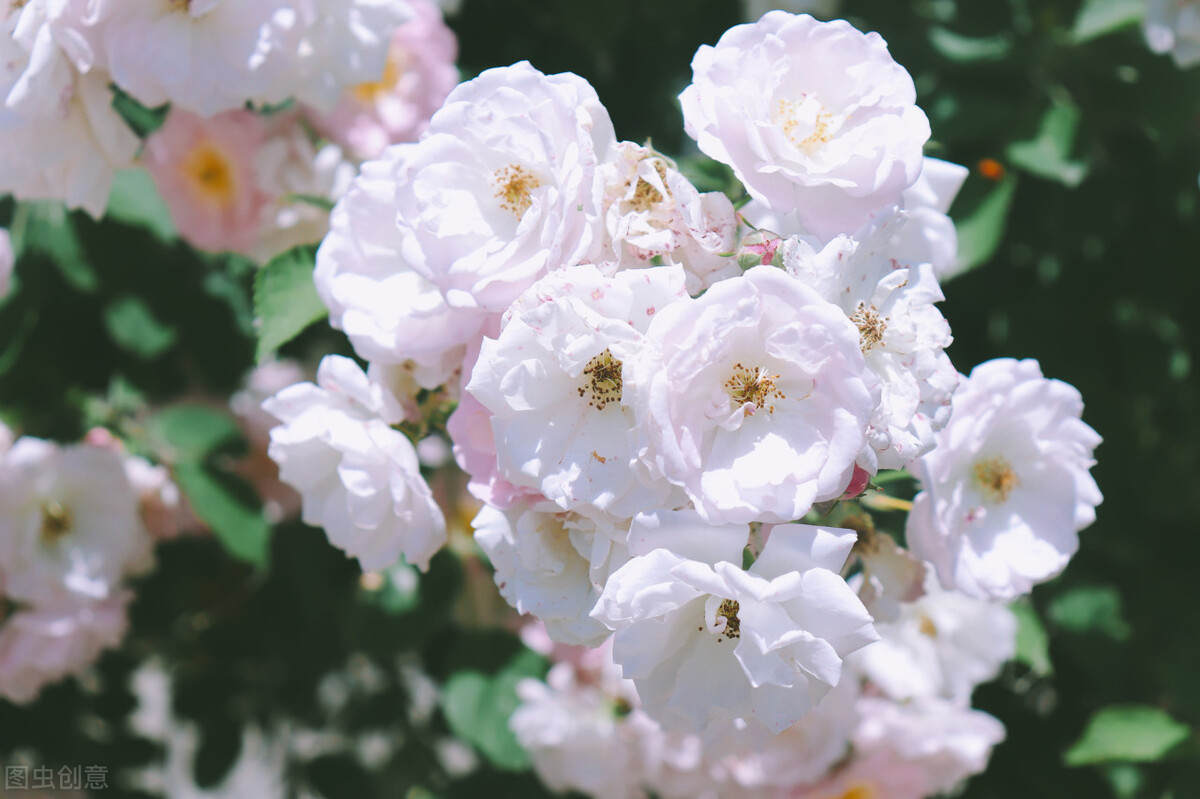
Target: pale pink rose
point(45, 643)
point(205, 171)
point(420, 72)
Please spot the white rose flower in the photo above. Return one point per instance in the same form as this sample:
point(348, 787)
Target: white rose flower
point(890, 577)
point(754, 398)
point(326, 46)
point(706, 642)
point(584, 730)
point(205, 55)
point(391, 313)
point(543, 567)
point(802, 753)
point(654, 216)
point(436, 239)
point(925, 234)
point(503, 185)
point(946, 740)
point(289, 167)
point(63, 140)
point(902, 334)
point(1173, 26)
point(942, 645)
point(47, 642)
point(359, 479)
point(1007, 488)
point(69, 524)
point(553, 383)
point(812, 116)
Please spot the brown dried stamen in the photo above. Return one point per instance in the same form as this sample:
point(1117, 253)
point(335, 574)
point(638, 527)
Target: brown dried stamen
point(729, 611)
point(514, 188)
point(56, 522)
point(871, 326)
point(605, 383)
point(996, 478)
point(753, 387)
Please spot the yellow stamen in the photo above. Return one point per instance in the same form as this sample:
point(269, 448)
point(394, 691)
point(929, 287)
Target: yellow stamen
point(996, 479)
point(211, 174)
point(753, 389)
point(514, 188)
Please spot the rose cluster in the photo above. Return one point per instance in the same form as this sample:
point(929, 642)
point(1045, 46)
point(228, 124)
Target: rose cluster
point(333, 81)
point(667, 408)
point(76, 521)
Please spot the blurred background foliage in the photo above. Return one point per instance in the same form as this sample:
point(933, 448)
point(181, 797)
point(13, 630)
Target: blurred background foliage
point(1081, 226)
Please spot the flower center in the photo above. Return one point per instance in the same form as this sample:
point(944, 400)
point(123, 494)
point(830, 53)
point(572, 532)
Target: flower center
point(514, 188)
point(370, 91)
point(871, 326)
point(56, 522)
point(927, 627)
point(211, 174)
point(862, 790)
point(805, 122)
point(645, 195)
point(180, 5)
point(996, 478)
point(605, 383)
point(753, 388)
point(729, 612)
point(724, 622)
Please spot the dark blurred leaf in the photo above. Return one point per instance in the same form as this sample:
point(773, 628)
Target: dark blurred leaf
point(141, 120)
point(220, 746)
point(229, 507)
point(979, 234)
point(134, 328)
point(1127, 733)
point(1100, 17)
point(135, 200)
point(285, 299)
point(1033, 647)
point(1090, 609)
point(189, 433)
point(1048, 153)
point(478, 707)
point(45, 227)
point(339, 777)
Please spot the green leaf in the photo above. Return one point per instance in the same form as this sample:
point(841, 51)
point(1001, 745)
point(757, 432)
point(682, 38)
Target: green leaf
point(45, 228)
point(1127, 733)
point(1033, 645)
point(190, 433)
point(477, 708)
point(285, 299)
point(1090, 609)
point(229, 507)
point(132, 326)
point(980, 233)
point(966, 49)
point(1100, 17)
point(141, 120)
point(135, 200)
point(1047, 154)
